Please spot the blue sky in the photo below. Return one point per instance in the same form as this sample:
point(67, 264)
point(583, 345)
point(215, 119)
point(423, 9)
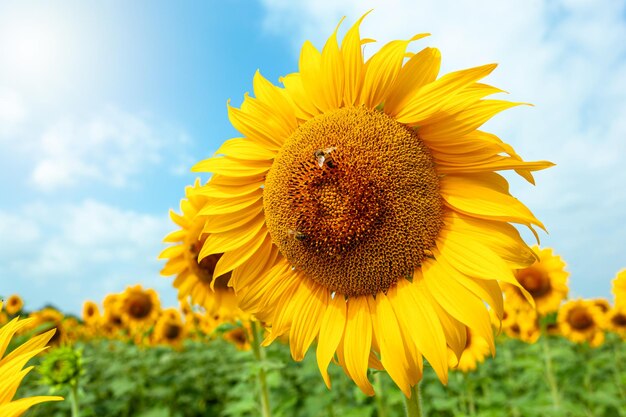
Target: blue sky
point(104, 107)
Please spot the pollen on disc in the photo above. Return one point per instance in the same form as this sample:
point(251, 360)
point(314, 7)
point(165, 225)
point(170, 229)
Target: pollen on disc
point(353, 200)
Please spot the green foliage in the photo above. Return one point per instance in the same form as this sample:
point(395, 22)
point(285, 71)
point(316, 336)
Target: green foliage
point(214, 379)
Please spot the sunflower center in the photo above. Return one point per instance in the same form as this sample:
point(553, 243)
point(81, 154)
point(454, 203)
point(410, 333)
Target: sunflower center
point(353, 201)
point(580, 319)
point(204, 269)
point(172, 331)
point(140, 306)
point(534, 281)
point(619, 320)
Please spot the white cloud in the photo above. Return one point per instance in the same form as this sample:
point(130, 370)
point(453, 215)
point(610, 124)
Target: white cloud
point(110, 148)
point(568, 58)
point(69, 253)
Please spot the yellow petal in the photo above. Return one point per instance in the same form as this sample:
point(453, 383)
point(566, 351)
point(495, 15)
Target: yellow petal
point(233, 167)
point(502, 238)
point(332, 326)
point(306, 323)
point(382, 71)
point(464, 122)
point(430, 338)
point(232, 259)
point(276, 99)
point(353, 63)
point(432, 97)
point(254, 128)
point(232, 239)
point(357, 342)
point(231, 205)
point(242, 148)
point(482, 196)
point(421, 69)
point(389, 338)
point(457, 300)
point(332, 73)
point(224, 223)
point(304, 106)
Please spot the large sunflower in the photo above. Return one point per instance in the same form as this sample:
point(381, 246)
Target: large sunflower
point(361, 208)
point(545, 280)
point(195, 279)
point(11, 367)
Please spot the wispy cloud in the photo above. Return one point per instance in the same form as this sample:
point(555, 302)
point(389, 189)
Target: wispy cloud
point(110, 148)
point(568, 58)
point(80, 251)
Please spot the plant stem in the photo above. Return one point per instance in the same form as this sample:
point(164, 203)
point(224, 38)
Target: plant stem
point(617, 372)
point(414, 404)
point(554, 389)
point(469, 388)
point(74, 400)
point(259, 354)
point(380, 399)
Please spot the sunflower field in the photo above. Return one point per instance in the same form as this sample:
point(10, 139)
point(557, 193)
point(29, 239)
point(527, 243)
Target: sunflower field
point(196, 371)
point(354, 253)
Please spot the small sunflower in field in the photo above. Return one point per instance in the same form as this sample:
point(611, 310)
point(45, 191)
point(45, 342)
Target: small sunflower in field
point(602, 303)
point(111, 321)
point(239, 337)
point(619, 288)
point(195, 278)
point(14, 305)
point(50, 318)
point(582, 321)
point(91, 313)
point(361, 207)
point(523, 324)
point(475, 352)
point(169, 328)
point(139, 308)
point(545, 280)
point(616, 320)
point(12, 364)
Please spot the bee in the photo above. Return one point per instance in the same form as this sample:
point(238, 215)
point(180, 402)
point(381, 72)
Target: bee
point(299, 236)
point(322, 154)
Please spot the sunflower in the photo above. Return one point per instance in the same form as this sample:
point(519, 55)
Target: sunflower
point(111, 321)
point(239, 336)
point(602, 303)
point(11, 372)
point(50, 318)
point(475, 352)
point(195, 278)
point(619, 288)
point(91, 313)
point(14, 304)
point(139, 308)
point(545, 280)
point(522, 323)
point(361, 208)
point(582, 321)
point(169, 328)
point(616, 320)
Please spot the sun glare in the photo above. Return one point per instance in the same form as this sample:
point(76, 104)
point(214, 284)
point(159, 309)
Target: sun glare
point(32, 51)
